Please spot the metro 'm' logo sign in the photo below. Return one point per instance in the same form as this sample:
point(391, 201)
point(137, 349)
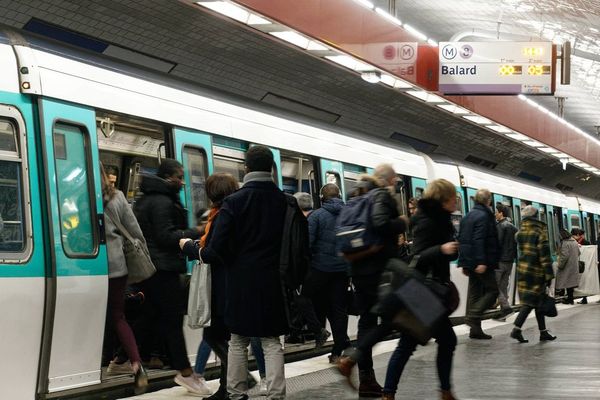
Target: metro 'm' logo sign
point(449, 52)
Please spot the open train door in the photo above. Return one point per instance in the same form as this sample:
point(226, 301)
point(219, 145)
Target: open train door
point(77, 281)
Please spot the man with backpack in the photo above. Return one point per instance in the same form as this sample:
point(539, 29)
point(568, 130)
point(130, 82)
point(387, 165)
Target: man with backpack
point(377, 244)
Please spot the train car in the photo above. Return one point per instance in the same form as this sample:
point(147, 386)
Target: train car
point(63, 111)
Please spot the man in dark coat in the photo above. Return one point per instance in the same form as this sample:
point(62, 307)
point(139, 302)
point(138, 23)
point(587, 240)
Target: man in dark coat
point(163, 221)
point(508, 254)
point(366, 275)
point(247, 238)
point(479, 255)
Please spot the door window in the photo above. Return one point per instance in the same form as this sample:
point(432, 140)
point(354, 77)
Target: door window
point(14, 214)
point(196, 166)
point(74, 180)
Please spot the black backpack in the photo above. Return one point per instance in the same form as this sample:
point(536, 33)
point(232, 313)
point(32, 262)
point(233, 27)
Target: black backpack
point(295, 249)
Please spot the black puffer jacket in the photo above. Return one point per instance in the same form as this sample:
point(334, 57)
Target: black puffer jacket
point(384, 222)
point(432, 227)
point(478, 239)
point(163, 221)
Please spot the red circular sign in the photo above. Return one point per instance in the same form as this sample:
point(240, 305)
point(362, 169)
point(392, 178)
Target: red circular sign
point(389, 52)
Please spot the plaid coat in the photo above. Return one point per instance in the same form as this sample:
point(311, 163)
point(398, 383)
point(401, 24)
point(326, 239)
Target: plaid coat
point(535, 264)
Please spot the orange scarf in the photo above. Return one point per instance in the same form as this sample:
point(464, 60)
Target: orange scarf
point(211, 217)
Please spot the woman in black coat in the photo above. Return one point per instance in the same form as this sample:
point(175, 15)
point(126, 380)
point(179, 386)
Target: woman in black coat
point(218, 186)
point(435, 243)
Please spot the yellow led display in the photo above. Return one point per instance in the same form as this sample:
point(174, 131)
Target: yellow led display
point(507, 70)
point(533, 51)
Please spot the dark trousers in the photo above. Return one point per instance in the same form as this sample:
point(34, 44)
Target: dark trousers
point(217, 337)
point(330, 288)
point(116, 311)
point(483, 291)
point(366, 289)
point(446, 340)
point(164, 310)
point(524, 312)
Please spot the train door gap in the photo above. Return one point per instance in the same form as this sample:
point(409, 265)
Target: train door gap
point(298, 174)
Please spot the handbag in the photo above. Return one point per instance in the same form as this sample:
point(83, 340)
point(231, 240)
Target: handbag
point(548, 306)
point(581, 267)
point(137, 256)
point(199, 301)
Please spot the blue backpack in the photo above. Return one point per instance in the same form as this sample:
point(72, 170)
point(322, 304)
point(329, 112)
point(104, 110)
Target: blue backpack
point(355, 239)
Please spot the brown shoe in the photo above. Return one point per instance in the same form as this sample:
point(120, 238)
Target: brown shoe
point(368, 385)
point(447, 395)
point(345, 365)
point(388, 396)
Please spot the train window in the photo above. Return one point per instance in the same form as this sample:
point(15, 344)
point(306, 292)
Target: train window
point(196, 167)
point(551, 230)
point(75, 198)
point(459, 203)
point(333, 177)
point(419, 192)
point(588, 228)
point(471, 202)
point(543, 216)
point(231, 166)
point(14, 241)
point(575, 221)
point(517, 216)
point(565, 225)
point(8, 137)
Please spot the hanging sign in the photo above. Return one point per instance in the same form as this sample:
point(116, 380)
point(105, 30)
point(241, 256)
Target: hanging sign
point(495, 67)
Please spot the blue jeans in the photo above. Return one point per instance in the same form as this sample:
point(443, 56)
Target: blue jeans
point(259, 355)
point(202, 357)
point(446, 340)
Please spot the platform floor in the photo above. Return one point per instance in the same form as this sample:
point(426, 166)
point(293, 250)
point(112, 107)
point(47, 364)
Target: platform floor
point(501, 368)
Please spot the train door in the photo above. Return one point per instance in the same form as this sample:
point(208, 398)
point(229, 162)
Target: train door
point(588, 226)
point(194, 151)
point(333, 172)
point(553, 231)
point(417, 187)
point(77, 283)
point(597, 227)
point(516, 210)
point(22, 244)
point(298, 175)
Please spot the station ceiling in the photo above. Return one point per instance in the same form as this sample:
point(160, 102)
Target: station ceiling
point(187, 42)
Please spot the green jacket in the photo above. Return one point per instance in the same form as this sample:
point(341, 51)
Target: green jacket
point(535, 264)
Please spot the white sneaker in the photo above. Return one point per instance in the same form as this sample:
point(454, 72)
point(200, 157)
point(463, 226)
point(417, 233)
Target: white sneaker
point(119, 369)
point(262, 387)
point(194, 384)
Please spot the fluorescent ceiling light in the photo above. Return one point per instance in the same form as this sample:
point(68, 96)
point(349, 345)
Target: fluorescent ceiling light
point(560, 155)
point(548, 150)
point(402, 84)
point(371, 76)
point(388, 80)
point(427, 97)
point(454, 109)
point(581, 164)
point(293, 38)
point(478, 119)
point(500, 128)
point(518, 136)
point(228, 9)
point(350, 62)
point(316, 46)
point(256, 20)
point(366, 3)
point(591, 169)
point(388, 16)
point(533, 143)
point(415, 32)
point(432, 42)
point(522, 97)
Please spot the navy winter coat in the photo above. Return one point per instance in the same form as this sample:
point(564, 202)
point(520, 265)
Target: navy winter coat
point(246, 240)
point(321, 229)
point(478, 239)
point(163, 221)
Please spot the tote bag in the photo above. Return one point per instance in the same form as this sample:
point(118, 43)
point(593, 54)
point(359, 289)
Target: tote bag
point(137, 256)
point(199, 299)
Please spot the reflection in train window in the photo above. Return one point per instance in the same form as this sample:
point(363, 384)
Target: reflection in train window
point(12, 214)
point(231, 166)
point(75, 200)
point(196, 169)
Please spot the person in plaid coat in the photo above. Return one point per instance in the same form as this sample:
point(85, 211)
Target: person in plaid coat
point(534, 271)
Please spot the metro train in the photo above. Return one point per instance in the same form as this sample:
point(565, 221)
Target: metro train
point(64, 110)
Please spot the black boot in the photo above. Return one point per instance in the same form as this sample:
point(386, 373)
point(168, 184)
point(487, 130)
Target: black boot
point(546, 336)
point(220, 394)
point(516, 334)
point(368, 385)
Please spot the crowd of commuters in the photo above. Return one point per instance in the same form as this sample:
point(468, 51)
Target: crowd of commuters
point(242, 240)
